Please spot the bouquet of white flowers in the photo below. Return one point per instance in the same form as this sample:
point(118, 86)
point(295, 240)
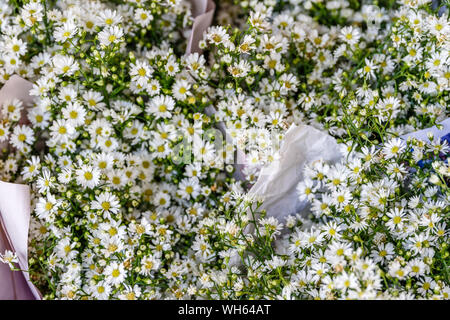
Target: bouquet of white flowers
point(264, 157)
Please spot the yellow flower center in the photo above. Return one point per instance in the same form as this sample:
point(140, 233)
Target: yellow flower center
point(22, 137)
point(148, 265)
point(48, 206)
point(140, 229)
point(142, 72)
point(116, 180)
point(106, 205)
point(88, 176)
point(115, 273)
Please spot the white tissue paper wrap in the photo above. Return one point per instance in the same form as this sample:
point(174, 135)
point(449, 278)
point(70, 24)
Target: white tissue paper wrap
point(277, 182)
point(423, 134)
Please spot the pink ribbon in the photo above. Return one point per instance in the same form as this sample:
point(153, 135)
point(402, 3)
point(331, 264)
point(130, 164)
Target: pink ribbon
point(15, 212)
point(14, 222)
point(203, 12)
point(16, 88)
